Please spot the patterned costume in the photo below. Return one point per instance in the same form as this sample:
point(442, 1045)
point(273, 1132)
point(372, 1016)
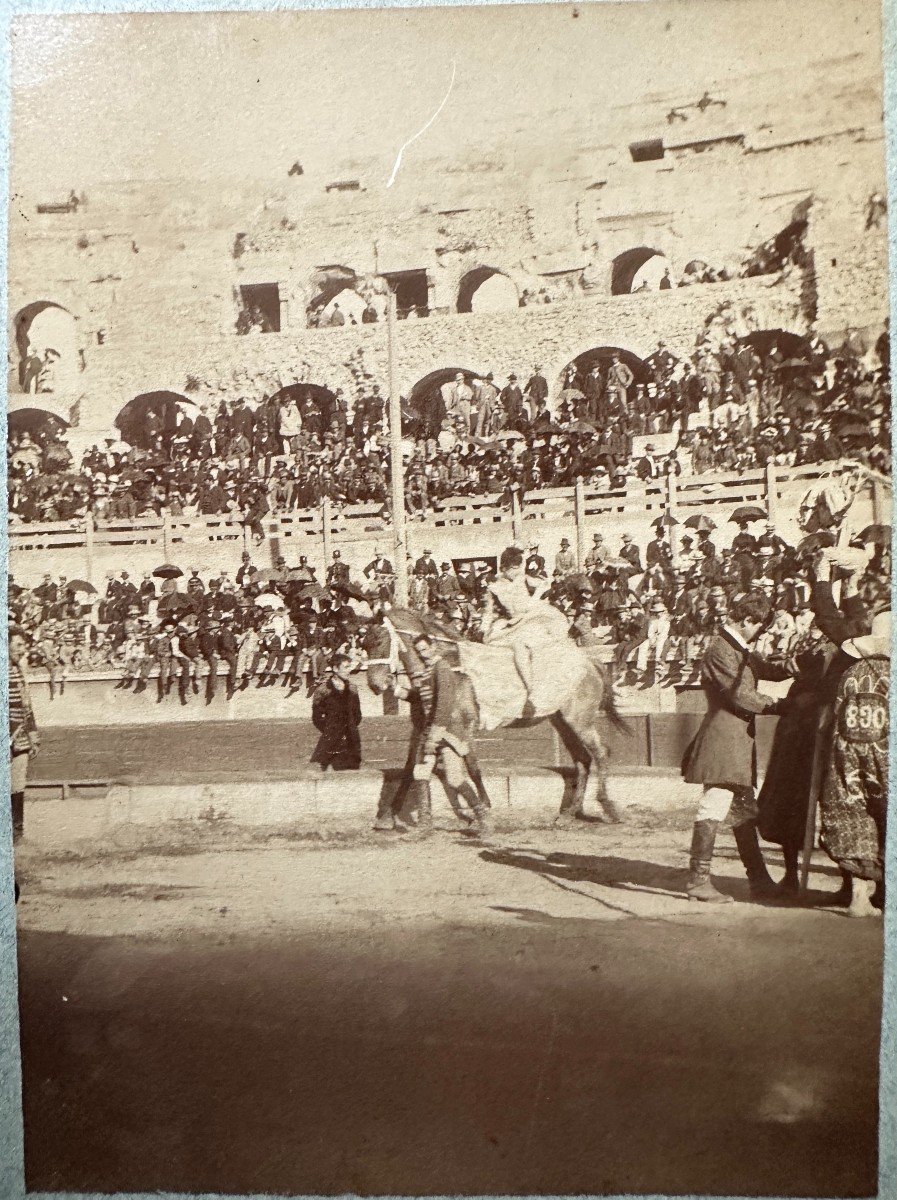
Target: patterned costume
point(854, 797)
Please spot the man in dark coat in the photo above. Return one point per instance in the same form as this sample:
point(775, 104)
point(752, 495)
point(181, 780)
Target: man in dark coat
point(630, 552)
point(722, 756)
point(336, 714)
point(511, 399)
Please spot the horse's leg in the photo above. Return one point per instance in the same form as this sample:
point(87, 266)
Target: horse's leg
point(579, 717)
point(571, 804)
point(596, 781)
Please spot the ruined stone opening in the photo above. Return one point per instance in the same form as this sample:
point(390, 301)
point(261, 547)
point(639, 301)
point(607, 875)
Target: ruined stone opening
point(486, 289)
point(334, 283)
point(426, 400)
point(786, 247)
point(578, 369)
point(641, 269)
point(152, 415)
point(38, 422)
point(46, 349)
point(259, 308)
point(412, 292)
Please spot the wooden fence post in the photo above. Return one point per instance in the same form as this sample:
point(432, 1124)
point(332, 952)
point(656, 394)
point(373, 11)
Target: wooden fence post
point(166, 536)
point(325, 530)
point(579, 516)
point(671, 512)
point(88, 546)
point(772, 493)
point(516, 532)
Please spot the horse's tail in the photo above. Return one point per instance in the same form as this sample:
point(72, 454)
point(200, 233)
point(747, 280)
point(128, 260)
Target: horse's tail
point(609, 703)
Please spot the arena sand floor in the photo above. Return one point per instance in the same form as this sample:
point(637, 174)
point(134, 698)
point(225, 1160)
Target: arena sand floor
point(542, 1013)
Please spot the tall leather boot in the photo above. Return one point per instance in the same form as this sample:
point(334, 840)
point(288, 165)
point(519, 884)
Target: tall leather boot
point(699, 886)
point(762, 885)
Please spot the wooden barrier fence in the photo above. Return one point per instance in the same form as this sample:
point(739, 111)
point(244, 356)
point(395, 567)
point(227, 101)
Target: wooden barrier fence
point(776, 489)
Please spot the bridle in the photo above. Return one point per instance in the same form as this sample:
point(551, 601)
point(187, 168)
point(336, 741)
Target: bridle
point(393, 660)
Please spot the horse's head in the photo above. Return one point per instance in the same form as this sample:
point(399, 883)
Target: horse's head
point(379, 645)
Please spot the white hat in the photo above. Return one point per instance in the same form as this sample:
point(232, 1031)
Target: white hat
point(875, 644)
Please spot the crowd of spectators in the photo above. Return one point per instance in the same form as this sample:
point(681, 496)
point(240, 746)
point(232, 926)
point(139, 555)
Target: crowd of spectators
point(730, 407)
point(653, 608)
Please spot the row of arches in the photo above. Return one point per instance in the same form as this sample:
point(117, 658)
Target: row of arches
point(158, 412)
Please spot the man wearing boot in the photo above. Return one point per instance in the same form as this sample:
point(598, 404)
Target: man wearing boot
point(23, 736)
point(446, 751)
point(722, 755)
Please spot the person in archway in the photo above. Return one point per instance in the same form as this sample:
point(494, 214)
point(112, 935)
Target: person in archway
point(511, 398)
point(537, 386)
point(30, 369)
point(619, 380)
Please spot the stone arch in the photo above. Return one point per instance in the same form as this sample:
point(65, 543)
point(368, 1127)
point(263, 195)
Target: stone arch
point(487, 289)
point(35, 421)
point(350, 303)
point(424, 396)
point(632, 266)
point(46, 348)
point(324, 399)
point(600, 356)
point(134, 420)
point(325, 285)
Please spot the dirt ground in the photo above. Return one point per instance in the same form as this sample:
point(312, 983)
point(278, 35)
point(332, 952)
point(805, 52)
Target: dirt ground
point(214, 1010)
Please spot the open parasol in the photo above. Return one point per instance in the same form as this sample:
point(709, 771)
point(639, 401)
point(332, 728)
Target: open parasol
point(313, 591)
point(508, 435)
point(817, 541)
point(352, 590)
point(168, 571)
point(876, 535)
point(80, 585)
point(667, 519)
point(269, 575)
point(749, 512)
point(849, 415)
point(701, 523)
point(572, 394)
point(581, 427)
point(269, 600)
point(855, 431)
point(175, 602)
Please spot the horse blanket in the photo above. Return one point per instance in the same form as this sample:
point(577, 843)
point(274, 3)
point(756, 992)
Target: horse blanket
point(558, 670)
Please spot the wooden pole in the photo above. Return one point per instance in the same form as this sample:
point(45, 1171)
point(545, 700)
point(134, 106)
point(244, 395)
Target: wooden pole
point(397, 468)
point(772, 493)
point(325, 530)
point(166, 537)
point(579, 515)
point(88, 546)
point(671, 512)
point(515, 515)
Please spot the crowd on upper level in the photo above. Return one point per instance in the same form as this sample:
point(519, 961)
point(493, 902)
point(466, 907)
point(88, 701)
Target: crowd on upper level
point(653, 606)
point(732, 406)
